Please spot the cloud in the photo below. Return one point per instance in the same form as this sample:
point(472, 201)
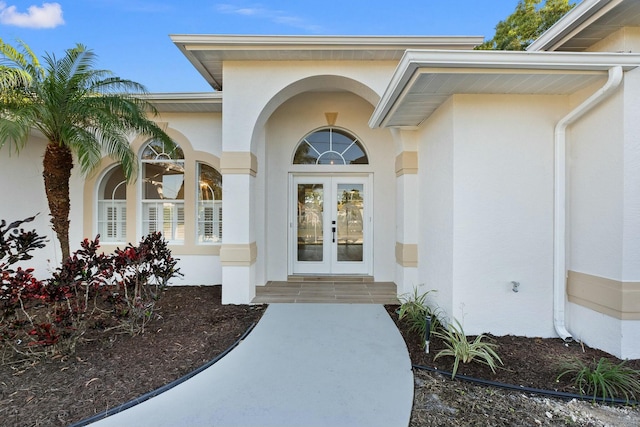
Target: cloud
point(275, 16)
point(49, 15)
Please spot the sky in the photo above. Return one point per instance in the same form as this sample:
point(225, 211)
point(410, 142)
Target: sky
point(131, 37)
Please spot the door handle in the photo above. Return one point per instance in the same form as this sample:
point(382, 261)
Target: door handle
point(333, 233)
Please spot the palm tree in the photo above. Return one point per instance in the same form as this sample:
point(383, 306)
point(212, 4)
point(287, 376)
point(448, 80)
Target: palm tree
point(83, 112)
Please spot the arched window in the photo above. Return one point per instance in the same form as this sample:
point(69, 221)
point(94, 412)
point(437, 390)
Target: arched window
point(209, 204)
point(330, 146)
point(112, 206)
point(163, 190)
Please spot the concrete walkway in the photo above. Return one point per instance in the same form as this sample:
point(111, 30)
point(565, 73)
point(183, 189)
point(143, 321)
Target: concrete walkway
point(303, 365)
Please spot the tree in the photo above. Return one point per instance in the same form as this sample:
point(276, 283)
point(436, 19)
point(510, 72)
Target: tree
point(526, 24)
point(83, 112)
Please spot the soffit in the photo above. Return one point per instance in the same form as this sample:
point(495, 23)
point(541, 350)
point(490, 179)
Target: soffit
point(587, 24)
point(208, 52)
point(186, 102)
point(425, 80)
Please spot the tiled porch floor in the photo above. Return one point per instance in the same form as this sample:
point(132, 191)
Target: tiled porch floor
point(335, 290)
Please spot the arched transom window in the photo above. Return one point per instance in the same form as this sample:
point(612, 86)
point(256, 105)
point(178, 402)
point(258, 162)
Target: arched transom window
point(330, 146)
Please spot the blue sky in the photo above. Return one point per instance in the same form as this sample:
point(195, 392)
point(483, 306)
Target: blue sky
point(131, 37)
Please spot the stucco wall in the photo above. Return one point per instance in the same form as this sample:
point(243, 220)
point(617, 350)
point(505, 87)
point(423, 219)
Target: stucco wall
point(604, 199)
point(489, 160)
point(436, 210)
point(22, 195)
point(285, 128)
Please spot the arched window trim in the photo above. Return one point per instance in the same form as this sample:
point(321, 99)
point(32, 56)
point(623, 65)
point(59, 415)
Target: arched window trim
point(305, 141)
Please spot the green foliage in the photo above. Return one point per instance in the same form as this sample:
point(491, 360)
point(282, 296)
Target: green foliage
point(603, 379)
point(526, 24)
point(81, 111)
point(414, 310)
point(465, 351)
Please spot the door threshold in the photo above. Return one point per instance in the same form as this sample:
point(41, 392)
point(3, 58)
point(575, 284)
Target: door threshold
point(330, 278)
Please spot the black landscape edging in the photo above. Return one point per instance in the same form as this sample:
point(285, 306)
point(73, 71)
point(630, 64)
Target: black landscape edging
point(550, 393)
point(156, 392)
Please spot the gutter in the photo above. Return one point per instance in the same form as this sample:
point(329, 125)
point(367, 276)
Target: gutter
point(560, 197)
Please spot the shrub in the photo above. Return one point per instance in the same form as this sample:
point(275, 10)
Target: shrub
point(414, 309)
point(603, 379)
point(89, 290)
point(465, 351)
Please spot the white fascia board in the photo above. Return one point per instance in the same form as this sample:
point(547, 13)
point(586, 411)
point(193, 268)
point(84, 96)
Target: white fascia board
point(213, 97)
point(216, 41)
point(416, 61)
point(211, 101)
point(570, 24)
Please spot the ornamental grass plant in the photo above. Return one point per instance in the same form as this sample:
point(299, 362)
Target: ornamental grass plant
point(463, 350)
point(603, 379)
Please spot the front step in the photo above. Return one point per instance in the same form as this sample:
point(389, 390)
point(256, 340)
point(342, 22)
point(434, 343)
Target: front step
point(334, 278)
point(327, 292)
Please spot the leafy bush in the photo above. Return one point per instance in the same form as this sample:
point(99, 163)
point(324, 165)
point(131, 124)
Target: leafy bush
point(90, 290)
point(465, 351)
point(603, 379)
point(414, 309)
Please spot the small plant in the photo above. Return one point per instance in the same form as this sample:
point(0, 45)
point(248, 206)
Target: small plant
point(414, 308)
point(465, 351)
point(604, 379)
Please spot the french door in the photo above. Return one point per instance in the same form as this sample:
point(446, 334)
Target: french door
point(330, 227)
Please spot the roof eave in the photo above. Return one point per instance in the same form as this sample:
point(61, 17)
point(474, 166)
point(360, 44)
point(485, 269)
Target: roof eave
point(206, 101)
point(477, 61)
point(570, 24)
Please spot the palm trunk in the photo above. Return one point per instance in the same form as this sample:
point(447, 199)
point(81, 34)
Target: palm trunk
point(58, 163)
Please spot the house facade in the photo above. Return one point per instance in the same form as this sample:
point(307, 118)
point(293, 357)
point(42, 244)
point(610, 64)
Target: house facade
point(506, 182)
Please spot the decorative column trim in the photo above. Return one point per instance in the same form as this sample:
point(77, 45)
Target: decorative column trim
point(407, 254)
point(238, 255)
point(407, 163)
point(239, 163)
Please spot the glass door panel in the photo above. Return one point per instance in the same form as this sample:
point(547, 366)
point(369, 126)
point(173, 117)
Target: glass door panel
point(330, 225)
point(350, 214)
point(310, 225)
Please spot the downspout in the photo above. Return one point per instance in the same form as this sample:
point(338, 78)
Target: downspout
point(560, 198)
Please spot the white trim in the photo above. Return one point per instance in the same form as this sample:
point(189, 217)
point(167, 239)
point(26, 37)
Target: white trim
point(479, 61)
point(573, 22)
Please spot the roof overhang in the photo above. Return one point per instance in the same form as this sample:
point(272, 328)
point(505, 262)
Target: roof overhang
point(208, 52)
point(588, 23)
point(205, 102)
point(425, 79)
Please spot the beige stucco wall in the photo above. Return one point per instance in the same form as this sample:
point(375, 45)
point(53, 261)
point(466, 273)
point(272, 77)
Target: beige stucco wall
point(286, 127)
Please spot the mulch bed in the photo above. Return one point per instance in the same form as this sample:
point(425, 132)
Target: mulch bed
point(192, 327)
point(528, 362)
point(108, 370)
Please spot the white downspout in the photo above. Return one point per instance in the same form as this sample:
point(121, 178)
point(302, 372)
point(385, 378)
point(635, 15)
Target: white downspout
point(560, 198)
